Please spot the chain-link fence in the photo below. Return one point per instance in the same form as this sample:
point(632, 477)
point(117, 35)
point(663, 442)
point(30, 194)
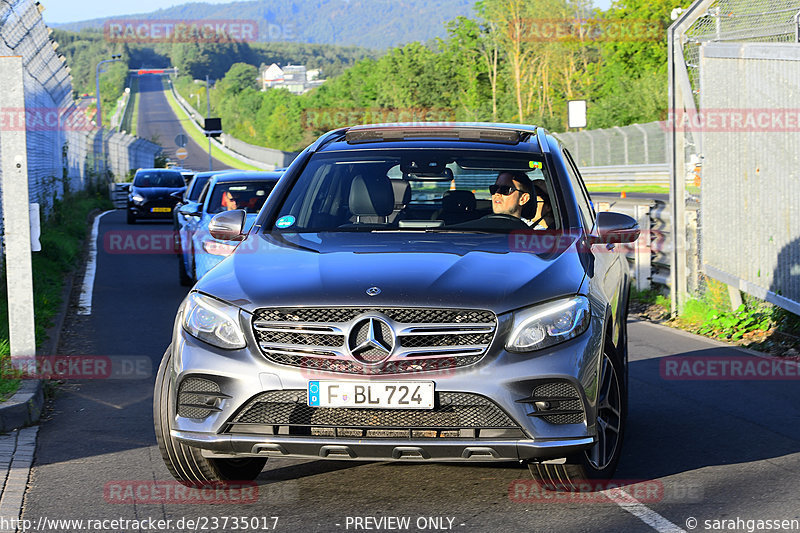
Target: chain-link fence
point(63, 146)
point(734, 78)
point(637, 144)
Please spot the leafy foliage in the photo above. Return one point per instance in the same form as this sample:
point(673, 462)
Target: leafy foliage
point(61, 238)
point(499, 66)
point(83, 51)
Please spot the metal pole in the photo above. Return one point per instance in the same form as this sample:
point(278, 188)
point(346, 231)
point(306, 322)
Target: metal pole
point(208, 115)
point(797, 27)
point(681, 101)
point(16, 215)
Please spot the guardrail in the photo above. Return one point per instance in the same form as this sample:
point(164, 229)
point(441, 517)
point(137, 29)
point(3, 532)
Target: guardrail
point(650, 257)
point(194, 116)
point(118, 192)
point(627, 175)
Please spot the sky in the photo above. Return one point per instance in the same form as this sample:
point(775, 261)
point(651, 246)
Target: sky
point(57, 11)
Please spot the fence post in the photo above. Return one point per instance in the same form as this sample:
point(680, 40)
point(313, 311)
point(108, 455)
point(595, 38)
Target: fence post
point(16, 215)
point(643, 254)
point(624, 134)
point(644, 143)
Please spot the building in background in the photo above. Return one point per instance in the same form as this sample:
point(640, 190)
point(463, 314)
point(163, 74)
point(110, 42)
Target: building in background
point(295, 78)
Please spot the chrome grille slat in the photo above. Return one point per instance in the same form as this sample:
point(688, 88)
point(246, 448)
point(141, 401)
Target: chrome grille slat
point(290, 349)
point(297, 336)
point(298, 328)
point(462, 351)
point(445, 329)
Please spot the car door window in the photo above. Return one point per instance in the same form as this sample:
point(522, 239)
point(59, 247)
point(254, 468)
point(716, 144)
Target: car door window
point(581, 194)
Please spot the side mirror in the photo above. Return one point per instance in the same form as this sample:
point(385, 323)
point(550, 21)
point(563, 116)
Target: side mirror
point(616, 228)
point(228, 226)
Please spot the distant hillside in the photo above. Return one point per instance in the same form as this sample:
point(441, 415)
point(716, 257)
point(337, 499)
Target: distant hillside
point(378, 24)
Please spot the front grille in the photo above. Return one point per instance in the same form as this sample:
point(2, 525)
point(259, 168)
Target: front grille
point(454, 412)
point(564, 403)
point(426, 339)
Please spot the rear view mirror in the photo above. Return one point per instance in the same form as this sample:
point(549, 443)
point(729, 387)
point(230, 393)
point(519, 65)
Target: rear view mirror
point(614, 228)
point(228, 226)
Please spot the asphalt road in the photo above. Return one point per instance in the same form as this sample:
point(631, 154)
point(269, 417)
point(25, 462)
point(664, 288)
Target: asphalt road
point(158, 123)
point(717, 449)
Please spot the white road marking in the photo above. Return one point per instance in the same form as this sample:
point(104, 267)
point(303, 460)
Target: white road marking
point(641, 511)
point(85, 302)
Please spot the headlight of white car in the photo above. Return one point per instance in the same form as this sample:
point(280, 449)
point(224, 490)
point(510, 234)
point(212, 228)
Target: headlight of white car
point(213, 322)
point(547, 324)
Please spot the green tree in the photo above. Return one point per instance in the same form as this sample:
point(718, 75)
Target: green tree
point(632, 85)
point(241, 76)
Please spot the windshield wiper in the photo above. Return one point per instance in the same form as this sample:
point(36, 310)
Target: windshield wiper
point(434, 230)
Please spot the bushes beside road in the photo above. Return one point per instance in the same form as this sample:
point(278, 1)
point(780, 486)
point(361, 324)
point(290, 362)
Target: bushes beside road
point(62, 239)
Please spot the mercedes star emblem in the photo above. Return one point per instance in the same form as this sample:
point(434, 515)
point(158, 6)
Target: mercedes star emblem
point(371, 340)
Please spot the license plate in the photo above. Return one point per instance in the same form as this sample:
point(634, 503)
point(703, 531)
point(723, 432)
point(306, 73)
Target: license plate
point(374, 395)
point(161, 210)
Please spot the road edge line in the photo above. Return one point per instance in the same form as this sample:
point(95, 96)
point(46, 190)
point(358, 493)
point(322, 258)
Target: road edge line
point(87, 289)
point(641, 511)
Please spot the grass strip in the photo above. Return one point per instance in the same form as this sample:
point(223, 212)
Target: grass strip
point(201, 139)
point(132, 120)
point(644, 189)
point(62, 239)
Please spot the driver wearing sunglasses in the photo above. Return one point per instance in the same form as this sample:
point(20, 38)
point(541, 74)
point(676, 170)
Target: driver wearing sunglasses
point(510, 192)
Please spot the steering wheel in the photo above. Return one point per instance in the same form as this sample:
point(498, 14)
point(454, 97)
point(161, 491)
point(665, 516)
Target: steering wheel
point(503, 218)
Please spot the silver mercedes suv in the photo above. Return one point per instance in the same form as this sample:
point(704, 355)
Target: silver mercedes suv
point(383, 307)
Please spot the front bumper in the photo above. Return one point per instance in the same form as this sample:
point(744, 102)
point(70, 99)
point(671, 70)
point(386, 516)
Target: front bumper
point(383, 449)
point(146, 210)
point(504, 378)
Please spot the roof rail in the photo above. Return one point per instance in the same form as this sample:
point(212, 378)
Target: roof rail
point(461, 131)
point(333, 135)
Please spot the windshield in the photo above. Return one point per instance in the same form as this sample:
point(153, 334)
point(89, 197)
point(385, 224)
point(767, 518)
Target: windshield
point(159, 178)
point(420, 190)
point(249, 196)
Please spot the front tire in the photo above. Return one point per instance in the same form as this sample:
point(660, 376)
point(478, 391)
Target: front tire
point(131, 218)
point(599, 462)
point(186, 463)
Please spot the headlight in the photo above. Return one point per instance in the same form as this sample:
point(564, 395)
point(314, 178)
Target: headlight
point(548, 324)
point(137, 199)
point(213, 322)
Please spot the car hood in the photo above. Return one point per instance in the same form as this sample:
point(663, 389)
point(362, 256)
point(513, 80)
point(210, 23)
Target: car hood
point(438, 270)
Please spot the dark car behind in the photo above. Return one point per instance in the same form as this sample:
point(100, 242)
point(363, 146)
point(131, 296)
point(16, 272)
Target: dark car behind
point(154, 194)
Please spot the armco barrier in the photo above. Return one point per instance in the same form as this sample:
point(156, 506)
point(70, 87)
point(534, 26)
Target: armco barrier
point(259, 156)
point(650, 259)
